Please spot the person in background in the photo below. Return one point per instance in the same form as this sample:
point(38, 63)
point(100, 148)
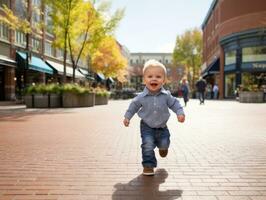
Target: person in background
point(185, 91)
point(215, 91)
point(201, 87)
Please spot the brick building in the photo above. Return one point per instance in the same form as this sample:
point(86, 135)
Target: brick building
point(46, 62)
point(234, 44)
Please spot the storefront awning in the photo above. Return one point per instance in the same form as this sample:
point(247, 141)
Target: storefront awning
point(35, 63)
point(60, 69)
point(213, 68)
point(100, 76)
point(111, 80)
point(7, 61)
point(86, 73)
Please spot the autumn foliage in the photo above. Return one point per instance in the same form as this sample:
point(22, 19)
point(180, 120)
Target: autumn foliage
point(108, 59)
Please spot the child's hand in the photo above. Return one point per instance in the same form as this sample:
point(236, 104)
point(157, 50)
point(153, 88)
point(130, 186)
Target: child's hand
point(181, 118)
point(126, 122)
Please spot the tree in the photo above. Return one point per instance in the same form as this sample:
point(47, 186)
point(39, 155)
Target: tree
point(61, 12)
point(188, 51)
point(79, 27)
point(108, 59)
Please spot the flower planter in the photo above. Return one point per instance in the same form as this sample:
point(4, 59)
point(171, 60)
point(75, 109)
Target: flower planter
point(28, 99)
point(101, 100)
point(250, 97)
point(54, 101)
point(78, 100)
point(40, 101)
point(43, 101)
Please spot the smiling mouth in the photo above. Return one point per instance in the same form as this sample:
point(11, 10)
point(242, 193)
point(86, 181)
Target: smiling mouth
point(154, 84)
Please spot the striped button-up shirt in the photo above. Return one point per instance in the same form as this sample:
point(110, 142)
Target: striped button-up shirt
point(153, 108)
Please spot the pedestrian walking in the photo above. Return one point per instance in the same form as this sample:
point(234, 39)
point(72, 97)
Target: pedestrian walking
point(152, 107)
point(185, 91)
point(215, 91)
point(201, 87)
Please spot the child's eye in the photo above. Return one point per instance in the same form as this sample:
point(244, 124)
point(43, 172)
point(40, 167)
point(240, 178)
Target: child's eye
point(158, 77)
point(149, 76)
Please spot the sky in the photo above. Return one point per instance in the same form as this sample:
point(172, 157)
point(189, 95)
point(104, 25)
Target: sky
point(152, 25)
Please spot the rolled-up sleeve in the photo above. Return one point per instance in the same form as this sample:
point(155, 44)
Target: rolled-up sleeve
point(174, 105)
point(133, 108)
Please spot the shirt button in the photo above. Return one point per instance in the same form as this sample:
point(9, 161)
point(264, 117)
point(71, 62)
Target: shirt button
point(155, 111)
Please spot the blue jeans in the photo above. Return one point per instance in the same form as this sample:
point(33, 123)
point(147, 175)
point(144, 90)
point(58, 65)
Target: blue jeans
point(151, 138)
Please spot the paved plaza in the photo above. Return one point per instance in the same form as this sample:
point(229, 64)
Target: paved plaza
point(219, 153)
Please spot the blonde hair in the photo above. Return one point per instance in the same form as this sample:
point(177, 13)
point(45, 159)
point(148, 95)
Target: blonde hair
point(153, 63)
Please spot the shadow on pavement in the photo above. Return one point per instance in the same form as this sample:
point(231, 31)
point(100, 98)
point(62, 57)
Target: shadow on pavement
point(23, 114)
point(145, 188)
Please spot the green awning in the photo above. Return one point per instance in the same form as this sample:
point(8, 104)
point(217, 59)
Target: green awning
point(36, 63)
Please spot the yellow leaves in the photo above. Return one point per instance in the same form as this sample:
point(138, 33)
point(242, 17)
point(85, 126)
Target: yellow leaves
point(108, 59)
point(14, 22)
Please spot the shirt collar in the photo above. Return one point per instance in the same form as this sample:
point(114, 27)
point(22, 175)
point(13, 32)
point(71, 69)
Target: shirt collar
point(146, 91)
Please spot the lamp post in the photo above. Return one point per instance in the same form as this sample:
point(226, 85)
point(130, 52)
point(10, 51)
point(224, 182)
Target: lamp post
point(194, 53)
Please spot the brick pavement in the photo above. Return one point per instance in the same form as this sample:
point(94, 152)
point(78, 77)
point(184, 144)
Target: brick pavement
point(86, 153)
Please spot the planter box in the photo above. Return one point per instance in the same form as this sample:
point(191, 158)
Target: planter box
point(40, 101)
point(55, 101)
point(78, 100)
point(28, 99)
point(250, 97)
point(43, 101)
point(101, 100)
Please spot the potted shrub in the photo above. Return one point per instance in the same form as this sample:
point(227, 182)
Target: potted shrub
point(36, 96)
point(54, 92)
point(42, 96)
point(250, 94)
point(101, 96)
point(76, 96)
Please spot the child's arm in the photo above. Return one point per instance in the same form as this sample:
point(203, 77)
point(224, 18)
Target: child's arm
point(175, 106)
point(133, 108)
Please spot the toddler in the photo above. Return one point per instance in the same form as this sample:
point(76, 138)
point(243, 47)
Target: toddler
point(152, 107)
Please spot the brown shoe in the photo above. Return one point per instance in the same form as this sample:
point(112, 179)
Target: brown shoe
point(163, 152)
point(148, 171)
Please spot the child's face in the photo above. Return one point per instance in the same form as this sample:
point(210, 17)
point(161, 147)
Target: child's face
point(154, 78)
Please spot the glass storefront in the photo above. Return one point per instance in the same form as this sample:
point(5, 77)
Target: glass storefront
point(255, 78)
point(254, 54)
point(230, 85)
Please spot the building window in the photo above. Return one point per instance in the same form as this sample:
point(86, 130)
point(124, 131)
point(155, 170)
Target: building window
point(48, 20)
point(166, 61)
point(36, 45)
point(230, 85)
point(36, 18)
point(6, 2)
point(254, 54)
point(48, 49)
point(4, 32)
point(20, 38)
point(230, 57)
point(137, 61)
point(131, 61)
point(59, 54)
point(20, 9)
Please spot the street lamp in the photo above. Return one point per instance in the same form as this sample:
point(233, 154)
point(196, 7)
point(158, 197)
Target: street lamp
point(194, 53)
